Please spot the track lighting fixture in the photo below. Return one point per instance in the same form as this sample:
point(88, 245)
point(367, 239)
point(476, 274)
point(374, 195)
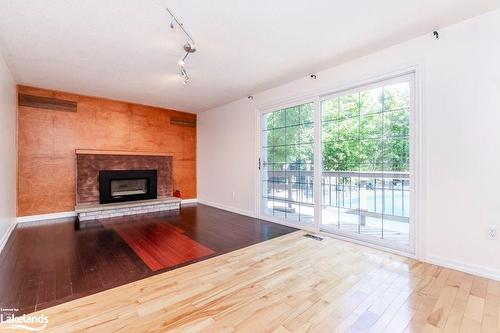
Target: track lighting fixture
point(189, 47)
point(184, 75)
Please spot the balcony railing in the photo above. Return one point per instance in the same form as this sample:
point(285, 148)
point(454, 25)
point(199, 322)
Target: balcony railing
point(376, 194)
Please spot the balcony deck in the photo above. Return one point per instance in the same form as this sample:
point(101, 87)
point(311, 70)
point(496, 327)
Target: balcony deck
point(374, 204)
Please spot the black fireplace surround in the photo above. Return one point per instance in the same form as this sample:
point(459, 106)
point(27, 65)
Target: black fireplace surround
point(126, 185)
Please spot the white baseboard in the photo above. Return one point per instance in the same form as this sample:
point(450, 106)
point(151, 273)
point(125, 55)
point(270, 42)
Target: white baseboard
point(6, 236)
point(188, 201)
point(42, 217)
point(228, 208)
point(486, 272)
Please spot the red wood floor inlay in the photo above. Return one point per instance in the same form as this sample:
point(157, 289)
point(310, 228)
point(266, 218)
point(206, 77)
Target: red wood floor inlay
point(159, 244)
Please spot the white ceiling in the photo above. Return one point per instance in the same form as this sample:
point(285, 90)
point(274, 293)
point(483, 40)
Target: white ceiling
point(126, 50)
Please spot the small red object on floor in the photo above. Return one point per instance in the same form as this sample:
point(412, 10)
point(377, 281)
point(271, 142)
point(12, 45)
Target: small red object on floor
point(177, 194)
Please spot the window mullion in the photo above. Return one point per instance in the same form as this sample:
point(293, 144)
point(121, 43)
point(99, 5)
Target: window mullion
point(318, 168)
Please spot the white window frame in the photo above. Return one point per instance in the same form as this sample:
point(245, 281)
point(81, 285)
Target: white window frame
point(259, 209)
point(414, 73)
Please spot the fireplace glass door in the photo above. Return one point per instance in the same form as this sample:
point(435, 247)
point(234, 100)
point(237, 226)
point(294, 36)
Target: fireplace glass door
point(127, 185)
point(122, 187)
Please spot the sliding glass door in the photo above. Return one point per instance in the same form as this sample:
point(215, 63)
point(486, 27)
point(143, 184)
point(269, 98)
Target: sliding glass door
point(362, 138)
point(365, 181)
point(287, 139)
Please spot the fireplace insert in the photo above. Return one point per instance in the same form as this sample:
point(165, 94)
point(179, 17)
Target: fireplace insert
point(126, 185)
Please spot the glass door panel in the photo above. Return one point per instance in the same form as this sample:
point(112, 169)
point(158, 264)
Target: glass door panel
point(288, 164)
point(365, 183)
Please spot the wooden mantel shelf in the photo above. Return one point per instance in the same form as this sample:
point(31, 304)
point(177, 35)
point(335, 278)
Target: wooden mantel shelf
point(118, 152)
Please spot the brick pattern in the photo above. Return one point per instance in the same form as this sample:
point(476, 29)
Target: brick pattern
point(125, 211)
point(89, 165)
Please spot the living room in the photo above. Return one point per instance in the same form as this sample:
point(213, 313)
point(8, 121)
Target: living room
point(249, 166)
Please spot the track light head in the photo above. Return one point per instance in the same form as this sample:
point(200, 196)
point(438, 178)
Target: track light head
point(189, 47)
point(172, 24)
point(185, 76)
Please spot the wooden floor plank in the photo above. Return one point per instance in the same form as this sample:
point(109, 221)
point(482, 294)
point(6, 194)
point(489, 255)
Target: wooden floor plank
point(291, 284)
point(51, 262)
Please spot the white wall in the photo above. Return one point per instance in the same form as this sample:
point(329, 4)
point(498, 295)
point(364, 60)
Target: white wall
point(225, 146)
point(460, 88)
point(7, 152)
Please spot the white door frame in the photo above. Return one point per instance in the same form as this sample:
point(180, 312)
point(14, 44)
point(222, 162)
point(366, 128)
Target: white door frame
point(259, 209)
point(416, 249)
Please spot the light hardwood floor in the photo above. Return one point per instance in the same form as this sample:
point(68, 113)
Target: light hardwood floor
point(292, 284)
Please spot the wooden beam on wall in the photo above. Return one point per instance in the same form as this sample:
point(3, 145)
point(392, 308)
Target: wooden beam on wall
point(46, 103)
point(182, 122)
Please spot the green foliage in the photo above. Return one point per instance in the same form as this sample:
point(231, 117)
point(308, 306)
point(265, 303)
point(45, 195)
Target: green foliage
point(290, 135)
point(366, 131)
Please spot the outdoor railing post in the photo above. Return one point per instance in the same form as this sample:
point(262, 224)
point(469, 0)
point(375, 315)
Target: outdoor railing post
point(362, 202)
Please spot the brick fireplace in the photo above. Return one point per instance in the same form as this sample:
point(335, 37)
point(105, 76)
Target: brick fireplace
point(90, 163)
point(114, 183)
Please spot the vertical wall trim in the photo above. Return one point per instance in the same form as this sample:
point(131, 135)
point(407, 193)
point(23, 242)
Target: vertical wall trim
point(6, 236)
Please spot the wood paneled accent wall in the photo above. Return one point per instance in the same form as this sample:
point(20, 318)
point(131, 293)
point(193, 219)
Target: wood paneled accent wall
point(47, 140)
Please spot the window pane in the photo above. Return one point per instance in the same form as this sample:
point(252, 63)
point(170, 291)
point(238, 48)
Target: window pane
point(341, 155)
point(349, 106)
point(293, 116)
point(294, 155)
point(307, 133)
point(371, 154)
point(277, 137)
point(307, 113)
point(397, 96)
point(292, 135)
point(347, 129)
point(288, 155)
point(365, 139)
point(306, 153)
point(371, 126)
point(370, 101)
point(397, 154)
point(267, 121)
point(279, 154)
point(330, 109)
point(397, 123)
point(279, 118)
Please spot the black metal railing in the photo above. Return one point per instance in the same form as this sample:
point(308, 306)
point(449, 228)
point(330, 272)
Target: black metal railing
point(372, 193)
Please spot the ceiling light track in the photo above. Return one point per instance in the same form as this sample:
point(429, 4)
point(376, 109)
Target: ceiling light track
point(189, 47)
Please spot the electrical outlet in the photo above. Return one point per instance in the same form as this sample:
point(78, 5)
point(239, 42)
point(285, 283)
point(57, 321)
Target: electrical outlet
point(233, 195)
point(492, 232)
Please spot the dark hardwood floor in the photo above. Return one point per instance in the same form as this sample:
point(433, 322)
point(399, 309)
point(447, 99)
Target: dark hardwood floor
point(48, 263)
